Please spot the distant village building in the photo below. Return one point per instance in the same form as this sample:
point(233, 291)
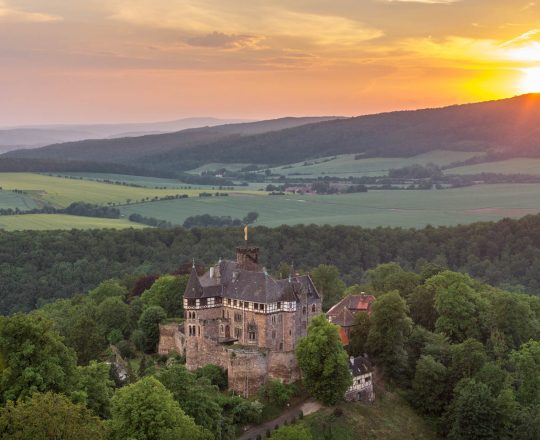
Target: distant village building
point(345, 311)
point(241, 318)
point(362, 386)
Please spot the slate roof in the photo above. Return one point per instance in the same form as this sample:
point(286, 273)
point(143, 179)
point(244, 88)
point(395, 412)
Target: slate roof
point(231, 281)
point(360, 365)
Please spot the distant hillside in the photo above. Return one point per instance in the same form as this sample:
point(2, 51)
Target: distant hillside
point(13, 138)
point(132, 150)
point(508, 128)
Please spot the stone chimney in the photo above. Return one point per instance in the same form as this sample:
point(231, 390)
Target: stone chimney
point(247, 258)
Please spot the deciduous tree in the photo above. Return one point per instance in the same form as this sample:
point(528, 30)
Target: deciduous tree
point(323, 361)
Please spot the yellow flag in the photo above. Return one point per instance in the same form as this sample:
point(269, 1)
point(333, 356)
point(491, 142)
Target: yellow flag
point(246, 232)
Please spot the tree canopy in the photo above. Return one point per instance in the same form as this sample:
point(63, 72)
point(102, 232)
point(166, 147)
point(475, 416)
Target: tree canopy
point(323, 361)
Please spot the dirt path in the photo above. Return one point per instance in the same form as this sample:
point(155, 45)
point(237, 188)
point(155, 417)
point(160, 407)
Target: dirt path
point(306, 407)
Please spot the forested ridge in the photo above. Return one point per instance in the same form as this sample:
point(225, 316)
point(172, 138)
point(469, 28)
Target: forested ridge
point(507, 128)
point(38, 266)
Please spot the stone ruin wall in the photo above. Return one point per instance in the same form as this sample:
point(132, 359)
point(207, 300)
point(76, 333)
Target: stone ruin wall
point(171, 339)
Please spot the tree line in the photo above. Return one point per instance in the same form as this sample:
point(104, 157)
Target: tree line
point(39, 266)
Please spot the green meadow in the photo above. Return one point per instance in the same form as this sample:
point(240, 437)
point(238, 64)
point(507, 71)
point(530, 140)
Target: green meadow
point(60, 191)
point(510, 166)
point(61, 221)
point(375, 208)
point(9, 199)
point(346, 165)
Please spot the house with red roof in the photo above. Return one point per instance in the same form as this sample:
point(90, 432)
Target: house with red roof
point(344, 313)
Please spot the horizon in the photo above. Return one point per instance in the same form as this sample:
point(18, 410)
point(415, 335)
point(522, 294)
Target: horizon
point(162, 60)
point(240, 120)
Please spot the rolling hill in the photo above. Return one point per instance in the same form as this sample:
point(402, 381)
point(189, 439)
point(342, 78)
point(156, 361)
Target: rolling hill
point(504, 128)
point(13, 138)
point(130, 150)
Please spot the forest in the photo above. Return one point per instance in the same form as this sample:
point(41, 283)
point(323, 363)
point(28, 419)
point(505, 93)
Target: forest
point(464, 354)
point(39, 266)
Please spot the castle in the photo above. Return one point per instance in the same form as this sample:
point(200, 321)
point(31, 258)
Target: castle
point(241, 318)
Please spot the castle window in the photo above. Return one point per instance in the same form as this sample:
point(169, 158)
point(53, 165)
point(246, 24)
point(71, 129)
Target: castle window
point(229, 301)
point(223, 313)
point(304, 310)
point(241, 304)
point(255, 306)
point(313, 308)
point(273, 334)
point(261, 307)
point(252, 336)
point(246, 305)
point(199, 328)
point(281, 345)
point(219, 300)
point(237, 333)
point(221, 329)
point(235, 303)
point(204, 302)
point(279, 305)
point(273, 319)
point(290, 332)
point(238, 317)
point(191, 302)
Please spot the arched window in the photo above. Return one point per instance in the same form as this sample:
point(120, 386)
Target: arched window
point(313, 308)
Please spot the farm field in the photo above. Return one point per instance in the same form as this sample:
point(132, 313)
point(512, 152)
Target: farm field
point(509, 166)
point(13, 200)
point(374, 208)
point(216, 166)
point(61, 221)
point(151, 182)
point(60, 192)
point(346, 165)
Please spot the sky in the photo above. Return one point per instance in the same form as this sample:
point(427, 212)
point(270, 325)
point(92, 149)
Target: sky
point(86, 61)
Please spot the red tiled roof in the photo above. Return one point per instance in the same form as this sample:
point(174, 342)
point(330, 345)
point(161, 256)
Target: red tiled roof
point(343, 336)
point(361, 302)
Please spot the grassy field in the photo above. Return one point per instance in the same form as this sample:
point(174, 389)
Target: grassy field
point(510, 166)
point(61, 221)
point(60, 192)
point(389, 418)
point(13, 200)
point(152, 182)
point(372, 209)
point(218, 166)
point(346, 165)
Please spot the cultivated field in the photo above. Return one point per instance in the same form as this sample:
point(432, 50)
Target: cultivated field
point(153, 182)
point(372, 209)
point(13, 200)
point(346, 165)
point(61, 221)
point(60, 192)
point(510, 166)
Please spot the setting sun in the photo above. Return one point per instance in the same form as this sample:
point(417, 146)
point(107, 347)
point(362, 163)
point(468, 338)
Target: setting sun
point(531, 80)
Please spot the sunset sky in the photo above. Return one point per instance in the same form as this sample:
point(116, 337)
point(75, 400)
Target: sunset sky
point(64, 61)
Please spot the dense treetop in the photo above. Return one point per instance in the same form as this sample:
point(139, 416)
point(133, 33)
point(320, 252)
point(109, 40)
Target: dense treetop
point(37, 266)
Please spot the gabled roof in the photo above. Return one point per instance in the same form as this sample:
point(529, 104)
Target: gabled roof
point(343, 312)
point(359, 366)
point(230, 280)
